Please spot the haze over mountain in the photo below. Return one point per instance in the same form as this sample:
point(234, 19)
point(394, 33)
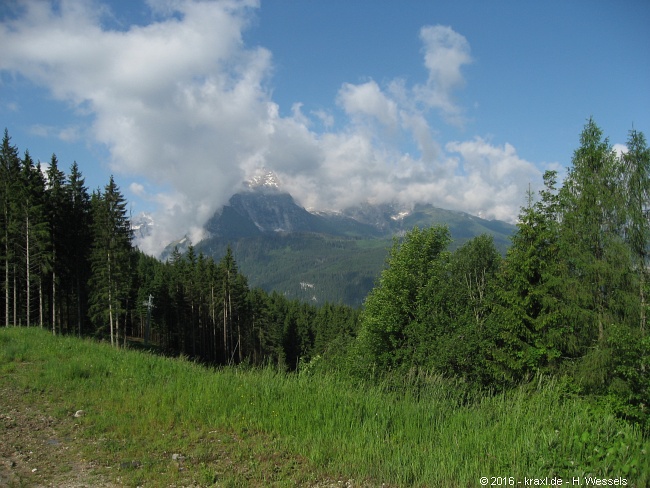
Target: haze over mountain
point(347, 102)
point(319, 256)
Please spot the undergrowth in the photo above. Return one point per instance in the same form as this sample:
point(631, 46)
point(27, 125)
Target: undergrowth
point(143, 407)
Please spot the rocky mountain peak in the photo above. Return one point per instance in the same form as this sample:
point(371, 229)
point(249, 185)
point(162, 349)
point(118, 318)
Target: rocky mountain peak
point(264, 180)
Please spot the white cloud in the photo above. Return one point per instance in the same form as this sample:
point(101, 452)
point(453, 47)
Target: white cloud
point(326, 118)
point(494, 178)
point(137, 189)
point(445, 53)
point(178, 101)
point(620, 149)
point(182, 103)
point(368, 100)
point(68, 134)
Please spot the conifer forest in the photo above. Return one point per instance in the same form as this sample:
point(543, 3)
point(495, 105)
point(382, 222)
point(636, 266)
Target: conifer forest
point(569, 299)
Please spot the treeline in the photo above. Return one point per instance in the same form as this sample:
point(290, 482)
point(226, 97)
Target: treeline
point(68, 264)
point(205, 309)
point(570, 298)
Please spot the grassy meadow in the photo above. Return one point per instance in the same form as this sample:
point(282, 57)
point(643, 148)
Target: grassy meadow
point(288, 430)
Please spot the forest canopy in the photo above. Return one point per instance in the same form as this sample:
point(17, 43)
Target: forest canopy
point(569, 299)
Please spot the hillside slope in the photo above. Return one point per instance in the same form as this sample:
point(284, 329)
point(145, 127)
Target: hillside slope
point(320, 256)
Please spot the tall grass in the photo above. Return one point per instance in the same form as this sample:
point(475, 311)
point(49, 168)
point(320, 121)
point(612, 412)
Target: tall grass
point(436, 435)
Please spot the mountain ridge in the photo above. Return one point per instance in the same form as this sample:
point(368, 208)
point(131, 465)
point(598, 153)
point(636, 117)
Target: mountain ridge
point(322, 256)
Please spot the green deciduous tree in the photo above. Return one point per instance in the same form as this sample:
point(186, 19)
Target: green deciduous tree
point(386, 339)
point(593, 216)
point(636, 185)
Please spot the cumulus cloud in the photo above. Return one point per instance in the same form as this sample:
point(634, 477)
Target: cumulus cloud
point(180, 100)
point(367, 100)
point(445, 53)
point(183, 103)
point(620, 149)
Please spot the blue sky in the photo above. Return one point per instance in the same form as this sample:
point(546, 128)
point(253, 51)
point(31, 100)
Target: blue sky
point(461, 104)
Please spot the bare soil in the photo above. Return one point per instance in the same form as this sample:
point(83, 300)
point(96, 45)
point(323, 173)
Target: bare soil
point(38, 449)
point(42, 446)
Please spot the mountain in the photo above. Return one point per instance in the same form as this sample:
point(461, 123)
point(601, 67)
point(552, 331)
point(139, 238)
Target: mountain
point(264, 209)
point(142, 225)
point(323, 256)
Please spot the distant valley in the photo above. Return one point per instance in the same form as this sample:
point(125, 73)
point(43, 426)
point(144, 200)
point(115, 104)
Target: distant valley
point(321, 256)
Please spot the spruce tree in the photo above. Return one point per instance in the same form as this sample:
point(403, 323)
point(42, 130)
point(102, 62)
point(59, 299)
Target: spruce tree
point(58, 216)
point(110, 259)
point(234, 289)
point(10, 189)
point(33, 237)
point(77, 240)
point(529, 329)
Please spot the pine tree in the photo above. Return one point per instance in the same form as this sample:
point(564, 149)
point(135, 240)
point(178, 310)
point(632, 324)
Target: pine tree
point(529, 326)
point(9, 192)
point(77, 240)
point(33, 232)
point(234, 289)
point(191, 299)
point(110, 259)
point(58, 215)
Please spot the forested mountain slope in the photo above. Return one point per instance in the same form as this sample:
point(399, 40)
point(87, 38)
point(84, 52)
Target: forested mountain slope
point(333, 257)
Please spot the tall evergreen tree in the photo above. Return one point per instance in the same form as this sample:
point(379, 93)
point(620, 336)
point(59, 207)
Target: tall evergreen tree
point(58, 216)
point(234, 289)
point(10, 188)
point(529, 325)
point(77, 240)
point(34, 233)
point(110, 259)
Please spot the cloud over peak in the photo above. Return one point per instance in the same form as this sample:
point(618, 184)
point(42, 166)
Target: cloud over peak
point(183, 103)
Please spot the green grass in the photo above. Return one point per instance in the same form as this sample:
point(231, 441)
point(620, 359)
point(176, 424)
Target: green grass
point(306, 427)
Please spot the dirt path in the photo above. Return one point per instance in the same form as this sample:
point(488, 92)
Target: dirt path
point(40, 446)
point(39, 450)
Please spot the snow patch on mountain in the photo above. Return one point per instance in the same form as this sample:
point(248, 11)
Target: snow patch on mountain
point(263, 179)
point(400, 215)
point(142, 225)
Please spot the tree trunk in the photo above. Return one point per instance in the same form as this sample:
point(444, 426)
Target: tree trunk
point(40, 304)
point(214, 324)
point(642, 296)
point(225, 335)
point(78, 306)
point(53, 303)
point(7, 288)
point(15, 316)
point(27, 277)
point(110, 299)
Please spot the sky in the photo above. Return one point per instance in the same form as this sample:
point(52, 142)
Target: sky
point(461, 104)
